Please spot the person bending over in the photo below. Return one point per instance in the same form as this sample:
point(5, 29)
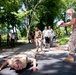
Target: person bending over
point(72, 40)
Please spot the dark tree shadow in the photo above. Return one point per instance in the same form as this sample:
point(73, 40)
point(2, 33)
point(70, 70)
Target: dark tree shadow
point(20, 49)
point(51, 64)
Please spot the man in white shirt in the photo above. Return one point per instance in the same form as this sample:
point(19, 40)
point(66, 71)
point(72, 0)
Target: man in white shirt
point(46, 36)
point(51, 35)
point(13, 39)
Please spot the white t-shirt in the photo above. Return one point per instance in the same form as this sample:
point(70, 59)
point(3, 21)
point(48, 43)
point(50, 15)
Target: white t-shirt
point(46, 33)
point(50, 31)
point(13, 36)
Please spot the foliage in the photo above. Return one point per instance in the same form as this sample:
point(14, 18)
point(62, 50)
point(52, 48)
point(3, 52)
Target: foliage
point(35, 12)
point(63, 40)
point(48, 11)
point(6, 17)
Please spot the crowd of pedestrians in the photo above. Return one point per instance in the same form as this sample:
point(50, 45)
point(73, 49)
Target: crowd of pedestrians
point(44, 38)
point(48, 36)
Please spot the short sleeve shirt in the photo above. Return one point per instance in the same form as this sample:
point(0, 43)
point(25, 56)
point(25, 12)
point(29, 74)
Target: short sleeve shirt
point(23, 58)
point(38, 34)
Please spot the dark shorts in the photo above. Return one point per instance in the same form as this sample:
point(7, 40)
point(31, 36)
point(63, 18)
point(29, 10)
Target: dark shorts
point(47, 39)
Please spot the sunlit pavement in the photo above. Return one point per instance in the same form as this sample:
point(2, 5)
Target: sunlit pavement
point(49, 62)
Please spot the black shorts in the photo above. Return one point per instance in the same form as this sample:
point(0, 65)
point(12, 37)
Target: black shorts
point(47, 39)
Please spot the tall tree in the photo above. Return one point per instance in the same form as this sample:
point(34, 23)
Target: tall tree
point(6, 7)
point(48, 11)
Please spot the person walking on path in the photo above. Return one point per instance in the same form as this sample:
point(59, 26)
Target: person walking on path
point(72, 40)
point(46, 36)
point(38, 39)
point(13, 39)
point(51, 35)
point(8, 39)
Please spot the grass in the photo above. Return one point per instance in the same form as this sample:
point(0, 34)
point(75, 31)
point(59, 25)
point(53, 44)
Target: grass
point(63, 40)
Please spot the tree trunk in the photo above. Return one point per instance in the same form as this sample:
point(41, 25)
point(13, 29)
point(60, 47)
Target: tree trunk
point(65, 28)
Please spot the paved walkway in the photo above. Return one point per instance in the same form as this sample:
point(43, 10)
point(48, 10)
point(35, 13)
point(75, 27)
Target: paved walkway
point(49, 62)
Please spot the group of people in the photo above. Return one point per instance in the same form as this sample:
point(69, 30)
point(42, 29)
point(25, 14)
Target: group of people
point(11, 39)
point(19, 62)
point(48, 36)
point(44, 38)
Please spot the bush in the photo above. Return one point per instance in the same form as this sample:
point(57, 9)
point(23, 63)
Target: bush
point(63, 40)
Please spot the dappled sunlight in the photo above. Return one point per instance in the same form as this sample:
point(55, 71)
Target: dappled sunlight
point(49, 62)
point(52, 64)
point(24, 49)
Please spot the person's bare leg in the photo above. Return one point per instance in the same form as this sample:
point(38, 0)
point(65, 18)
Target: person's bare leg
point(37, 50)
point(49, 45)
point(40, 45)
point(36, 46)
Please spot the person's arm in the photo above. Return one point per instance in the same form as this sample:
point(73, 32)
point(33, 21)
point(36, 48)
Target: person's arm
point(4, 64)
point(34, 67)
point(72, 22)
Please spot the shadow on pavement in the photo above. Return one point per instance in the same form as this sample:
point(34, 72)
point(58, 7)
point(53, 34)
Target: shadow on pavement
point(51, 64)
point(48, 63)
point(14, 51)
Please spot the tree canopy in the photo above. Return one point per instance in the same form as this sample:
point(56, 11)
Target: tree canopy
point(25, 14)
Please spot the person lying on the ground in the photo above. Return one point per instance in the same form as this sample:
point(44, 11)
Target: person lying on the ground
point(19, 62)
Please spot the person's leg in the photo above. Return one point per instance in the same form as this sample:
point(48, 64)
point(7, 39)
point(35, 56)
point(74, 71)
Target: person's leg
point(7, 42)
point(13, 42)
point(36, 42)
point(71, 45)
point(40, 43)
point(48, 40)
point(70, 57)
point(51, 41)
point(45, 42)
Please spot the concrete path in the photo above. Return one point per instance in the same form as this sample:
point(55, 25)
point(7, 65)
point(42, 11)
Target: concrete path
point(49, 62)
